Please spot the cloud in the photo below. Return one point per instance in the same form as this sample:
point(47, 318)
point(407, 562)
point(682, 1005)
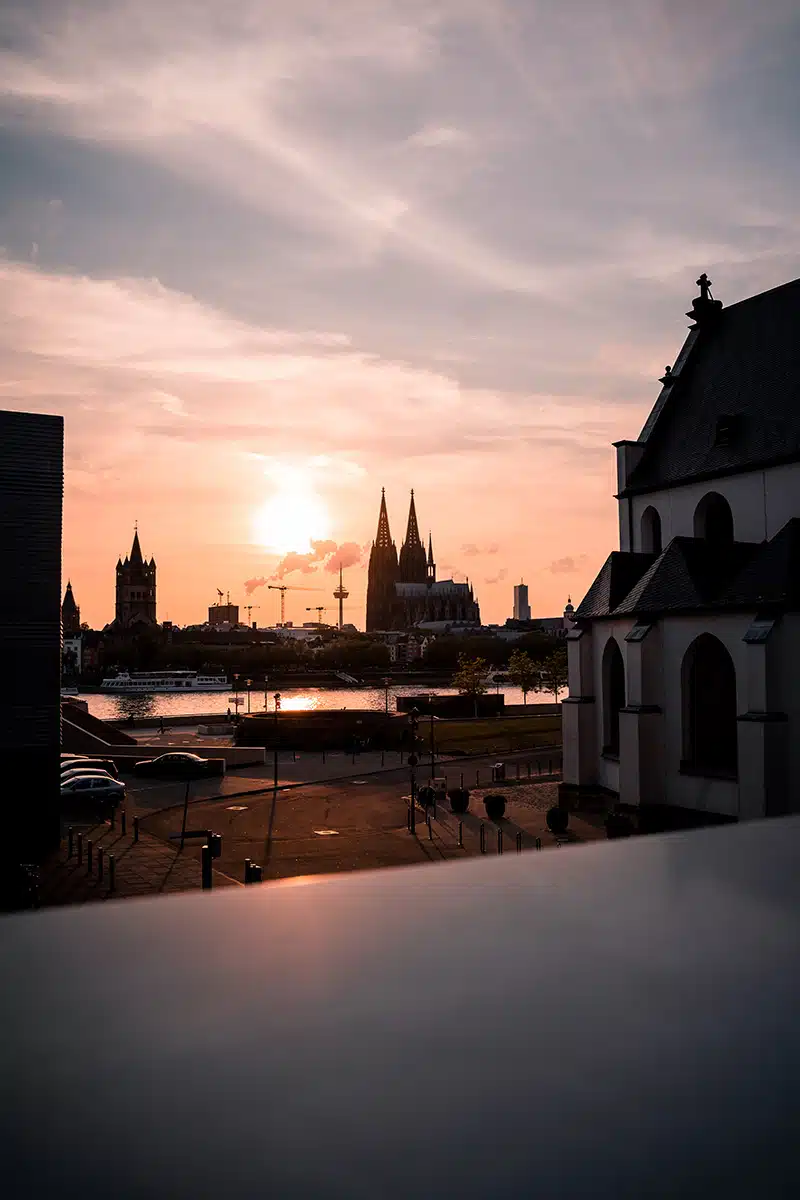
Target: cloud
point(471, 550)
point(499, 577)
point(349, 554)
point(568, 565)
point(250, 585)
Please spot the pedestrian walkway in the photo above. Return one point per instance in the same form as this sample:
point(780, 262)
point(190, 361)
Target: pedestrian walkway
point(146, 866)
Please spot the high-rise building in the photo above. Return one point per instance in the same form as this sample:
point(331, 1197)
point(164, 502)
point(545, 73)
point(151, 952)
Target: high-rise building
point(136, 590)
point(522, 609)
point(31, 491)
point(404, 592)
point(223, 614)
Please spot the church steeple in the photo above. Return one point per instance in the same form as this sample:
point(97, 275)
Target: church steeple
point(431, 563)
point(136, 550)
point(70, 613)
point(382, 574)
point(383, 537)
point(413, 566)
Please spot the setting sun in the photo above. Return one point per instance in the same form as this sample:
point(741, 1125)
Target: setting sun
point(293, 518)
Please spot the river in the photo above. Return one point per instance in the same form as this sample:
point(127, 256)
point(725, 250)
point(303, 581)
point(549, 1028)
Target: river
point(171, 704)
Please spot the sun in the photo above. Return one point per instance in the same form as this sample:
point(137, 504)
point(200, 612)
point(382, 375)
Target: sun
point(294, 517)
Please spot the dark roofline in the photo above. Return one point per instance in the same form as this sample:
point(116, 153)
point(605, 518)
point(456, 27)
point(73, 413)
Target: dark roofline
point(722, 473)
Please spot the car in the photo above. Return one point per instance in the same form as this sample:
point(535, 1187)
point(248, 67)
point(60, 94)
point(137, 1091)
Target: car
point(94, 788)
point(75, 771)
point(95, 764)
point(178, 765)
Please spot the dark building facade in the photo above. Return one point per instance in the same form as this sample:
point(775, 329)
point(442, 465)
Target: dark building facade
point(136, 590)
point(402, 590)
point(31, 492)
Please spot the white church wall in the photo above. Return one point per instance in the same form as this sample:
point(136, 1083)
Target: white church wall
point(786, 664)
point(761, 503)
point(608, 768)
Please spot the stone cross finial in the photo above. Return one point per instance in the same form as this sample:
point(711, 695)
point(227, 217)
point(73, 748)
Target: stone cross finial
point(704, 283)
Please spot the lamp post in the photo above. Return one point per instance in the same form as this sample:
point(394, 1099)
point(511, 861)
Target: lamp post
point(413, 717)
point(277, 698)
point(386, 685)
point(433, 743)
point(266, 695)
point(236, 692)
point(249, 683)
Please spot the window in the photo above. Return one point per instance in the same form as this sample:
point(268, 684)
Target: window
point(613, 696)
point(708, 686)
point(651, 531)
point(713, 519)
point(728, 429)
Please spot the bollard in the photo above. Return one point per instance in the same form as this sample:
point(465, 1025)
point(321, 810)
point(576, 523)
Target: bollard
point(247, 870)
point(123, 822)
point(461, 784)
point(434, 804)
point(255, 873)
point(99, 863)
point(113, 816)
point(205, 868)
point(519, 843)
point(549, 766)
point(112, 878)
point(294, 756)
point(483, 838)
point(80, 848)
point(70, 836)
point(135, 829)
point(430, 828)
point(538, 843)
point(477, 778)
point(461, 833)
point(499, 841)
point(89, 856)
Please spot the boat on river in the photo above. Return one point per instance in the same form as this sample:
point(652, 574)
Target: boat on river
point(164, 681)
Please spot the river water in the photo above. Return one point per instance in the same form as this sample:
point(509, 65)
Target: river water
point(292, 700)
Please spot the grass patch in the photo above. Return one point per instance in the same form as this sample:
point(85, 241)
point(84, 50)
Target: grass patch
point(492, 735)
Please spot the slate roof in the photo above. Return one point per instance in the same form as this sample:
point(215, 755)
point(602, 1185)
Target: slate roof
point(746, 364)
point(693, 575)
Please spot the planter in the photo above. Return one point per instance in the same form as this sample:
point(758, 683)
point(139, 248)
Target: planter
point(459, 800)
point(425, 796)
point(495, 806)
point(557, 820)
point(618, 825)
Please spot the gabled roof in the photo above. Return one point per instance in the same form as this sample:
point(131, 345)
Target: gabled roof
point(619, 573)
point(772, 578)
point(688, 575)
point(745, 363)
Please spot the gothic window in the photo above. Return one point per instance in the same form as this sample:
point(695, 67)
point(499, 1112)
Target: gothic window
point(713, 519)
point(613, 696)
point(651, 531)
point(708, 687)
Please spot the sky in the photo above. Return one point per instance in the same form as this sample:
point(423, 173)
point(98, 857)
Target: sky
point(267, 259)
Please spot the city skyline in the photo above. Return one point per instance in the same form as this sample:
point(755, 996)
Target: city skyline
point(266, 265)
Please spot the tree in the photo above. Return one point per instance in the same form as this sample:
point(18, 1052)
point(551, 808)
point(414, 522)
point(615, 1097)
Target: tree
point(554, 671)
point(470, 678)
point(523, 672)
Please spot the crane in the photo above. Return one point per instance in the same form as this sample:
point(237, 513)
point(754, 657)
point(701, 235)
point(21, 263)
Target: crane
point(219, 593)
point(283, 588)
point(248, 608)
point(319, 609)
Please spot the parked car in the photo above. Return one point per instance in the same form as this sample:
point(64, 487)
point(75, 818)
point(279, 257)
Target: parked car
point(178, 765)
point(95, 764)
point(73, 772)
point(93, 789)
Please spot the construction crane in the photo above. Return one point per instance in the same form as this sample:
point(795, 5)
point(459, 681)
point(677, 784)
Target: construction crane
point(219, 593)
point(248, 608)
point(283, 588)
point(341, 595)
point(319, 609)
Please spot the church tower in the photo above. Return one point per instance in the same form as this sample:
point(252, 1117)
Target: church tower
point(431, 563)
point(136, 589)
point(413, 565)
point(382, 574)
point(70, 613)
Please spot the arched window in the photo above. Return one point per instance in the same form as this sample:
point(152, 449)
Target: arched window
point(613, 695)
point(651, 531)
point(708, 684)
point(713, 519)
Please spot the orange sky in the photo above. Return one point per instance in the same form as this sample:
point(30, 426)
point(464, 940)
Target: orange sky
point(266, 265)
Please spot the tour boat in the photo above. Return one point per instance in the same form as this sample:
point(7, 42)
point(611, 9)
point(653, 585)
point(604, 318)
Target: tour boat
point(165, 681)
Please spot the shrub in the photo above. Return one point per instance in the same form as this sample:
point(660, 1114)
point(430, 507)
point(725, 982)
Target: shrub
point(557, 820)
point(459, 799)
point(425, 796)
point(618, 825)
point(495, 806)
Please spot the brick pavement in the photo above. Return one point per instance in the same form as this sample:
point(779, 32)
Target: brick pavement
point(149, 867)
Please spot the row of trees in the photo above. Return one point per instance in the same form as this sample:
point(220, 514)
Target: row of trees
point(524, 672)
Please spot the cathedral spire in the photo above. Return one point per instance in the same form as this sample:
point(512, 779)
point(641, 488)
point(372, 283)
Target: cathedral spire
point(412, 532)
point(431, 563)
point(383, 537)
point(413, 565)
point(136, 549)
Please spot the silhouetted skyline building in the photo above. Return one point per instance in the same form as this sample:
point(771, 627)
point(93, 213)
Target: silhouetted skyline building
point(136, 590)
point(522, 609)
point(402, 591)
point(70, 613)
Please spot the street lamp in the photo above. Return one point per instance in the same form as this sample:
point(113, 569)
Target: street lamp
point(266, 697)
point(413, 717)
point(249, 683)
point(277, 699)
point(431, 699)
point(386, 686)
